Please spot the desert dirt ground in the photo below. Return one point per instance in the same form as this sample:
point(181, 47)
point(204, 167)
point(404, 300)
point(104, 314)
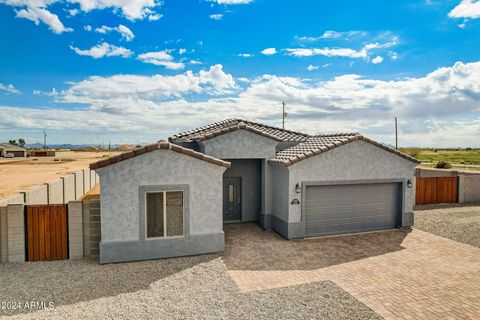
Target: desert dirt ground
point(22, 174)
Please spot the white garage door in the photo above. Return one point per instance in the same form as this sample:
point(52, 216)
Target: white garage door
point(336, 209)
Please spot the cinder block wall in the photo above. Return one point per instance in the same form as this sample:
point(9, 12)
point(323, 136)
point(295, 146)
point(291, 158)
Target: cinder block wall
point(55, 192)
point(470, 189)
point(75, 229)
point(78, 185)
point(15, 233)
point(3, 235)
point(91, 228)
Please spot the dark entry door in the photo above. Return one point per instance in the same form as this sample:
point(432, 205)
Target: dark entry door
point(232, 199)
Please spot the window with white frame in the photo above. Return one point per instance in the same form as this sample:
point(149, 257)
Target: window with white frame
point(164, 214)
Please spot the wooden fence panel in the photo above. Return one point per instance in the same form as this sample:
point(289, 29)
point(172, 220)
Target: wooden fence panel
point(436, 190)
point(47, 232)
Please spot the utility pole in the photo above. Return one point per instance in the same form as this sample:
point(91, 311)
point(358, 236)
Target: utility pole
point(45, 140)
point(396, 134)
point(284, 114)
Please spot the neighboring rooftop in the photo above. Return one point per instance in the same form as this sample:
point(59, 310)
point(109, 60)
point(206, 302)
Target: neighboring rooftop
point(157, 146)
point(11, 147)
point(322, 143)
point(229, 125)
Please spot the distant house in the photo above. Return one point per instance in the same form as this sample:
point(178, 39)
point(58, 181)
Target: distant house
point(172, 198)
point(15, 150)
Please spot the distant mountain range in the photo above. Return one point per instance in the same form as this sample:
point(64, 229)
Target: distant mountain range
point(65, 146)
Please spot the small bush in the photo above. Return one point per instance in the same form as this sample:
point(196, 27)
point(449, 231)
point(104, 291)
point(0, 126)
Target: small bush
point(443, 165)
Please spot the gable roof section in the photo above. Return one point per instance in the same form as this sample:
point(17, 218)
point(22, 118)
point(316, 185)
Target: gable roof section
point(162, 145)
point(11, 147)
point(230, 125)
point(322, 143)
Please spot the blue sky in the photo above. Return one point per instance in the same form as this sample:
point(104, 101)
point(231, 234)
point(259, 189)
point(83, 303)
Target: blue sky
point(90, 71)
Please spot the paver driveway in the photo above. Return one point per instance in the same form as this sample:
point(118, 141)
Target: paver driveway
point(399, 274)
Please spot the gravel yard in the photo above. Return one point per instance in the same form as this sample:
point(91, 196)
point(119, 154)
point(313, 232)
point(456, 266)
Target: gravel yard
point(181, 288)
point(459, 223)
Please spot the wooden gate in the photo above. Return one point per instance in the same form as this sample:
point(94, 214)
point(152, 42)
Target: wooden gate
point(436, 190)
point(47, 232)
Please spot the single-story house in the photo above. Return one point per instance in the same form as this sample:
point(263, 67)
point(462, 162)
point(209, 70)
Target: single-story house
point(172, 198)
point(15, 150)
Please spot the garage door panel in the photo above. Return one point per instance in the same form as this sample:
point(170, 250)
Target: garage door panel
point(335, 209)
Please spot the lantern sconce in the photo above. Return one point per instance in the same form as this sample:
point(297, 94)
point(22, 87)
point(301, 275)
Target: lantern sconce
point(409, 183)
point(297, 188)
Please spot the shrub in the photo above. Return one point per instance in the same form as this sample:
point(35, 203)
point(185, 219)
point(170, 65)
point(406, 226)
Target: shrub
point(443, 165)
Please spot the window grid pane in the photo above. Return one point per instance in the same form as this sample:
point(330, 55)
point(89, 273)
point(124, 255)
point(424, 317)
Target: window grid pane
point(174, 213)
point(155, 214)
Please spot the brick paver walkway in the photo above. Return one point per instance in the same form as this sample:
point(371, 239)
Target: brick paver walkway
point(398, 274)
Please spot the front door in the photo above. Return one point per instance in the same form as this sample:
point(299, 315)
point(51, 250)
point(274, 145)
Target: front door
point(232, 199)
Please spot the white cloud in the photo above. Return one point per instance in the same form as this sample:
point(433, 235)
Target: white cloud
point(441, 108)
point(468, 9)
point(130, 9)
point(377, 60)
point(245, 55)
point(217, 16)
point(87, 28)
point(182, 51)
point(103, 50)
point(311, 67)
point(330, 34)
point(101, 92)
point(195, 62)
point(38, 14)
point(363, 53)
point(269, 51)
point(124, 31)
point(9, 88)
point(232, 1)
point(161, 58)
point(51, 93)
point(155, 17)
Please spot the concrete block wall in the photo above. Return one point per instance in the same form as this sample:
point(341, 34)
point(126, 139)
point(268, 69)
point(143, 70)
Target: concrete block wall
point(79, 190)
point(469, 189)
point(69, 188)
point(37, 195)
point(15, 233)
point(75, 229)
point(55, 192)
point(91, 228)
point(3, 235)
point(63, 190)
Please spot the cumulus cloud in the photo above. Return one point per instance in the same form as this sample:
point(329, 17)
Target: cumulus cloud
point(377, 60)
point(217, 16)
point(245, 55)
point(439, 108)
point(269, 51)
point(124, 31)
point(363, 53)
point(130, 9)
point(161, 58)
point(468, 9)
point(39, 14)
point(103, 50)
point(9, 88)
point(311, 67)
point(330, 34)
point(38, 10)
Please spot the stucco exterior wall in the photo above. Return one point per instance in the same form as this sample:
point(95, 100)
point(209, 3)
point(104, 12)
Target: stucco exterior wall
point(243, 144)
point(120, 185)
point(357, 160)
point(240, 144)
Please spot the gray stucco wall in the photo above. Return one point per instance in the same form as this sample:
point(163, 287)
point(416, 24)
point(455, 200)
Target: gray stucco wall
point(240, 144)
point(357, 160)
point(249, 171)
point(120, 184)
point(243, 144)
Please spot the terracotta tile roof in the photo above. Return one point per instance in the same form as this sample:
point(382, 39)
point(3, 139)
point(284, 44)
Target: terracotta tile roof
point(229, 125)
point(157, 146)
point(322, 143)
